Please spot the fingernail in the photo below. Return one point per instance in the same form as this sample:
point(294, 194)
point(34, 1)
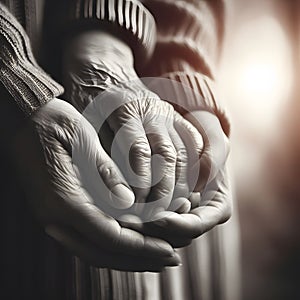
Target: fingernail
point(121, 196)
point(185, 207)
point(195, 199)
point(181, 205)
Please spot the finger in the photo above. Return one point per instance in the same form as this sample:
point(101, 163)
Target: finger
point(194, 145)
point(151, 229)
point(195, 199)
point(130, 140)
point(185, 225)
point(180, 201)
point(167, 234)
point(201, 219)
point(216, 205)
point(181, 185)
point(180, 205)
point(74, 209)
point(73, 206)
point(106, 137)
point(107, 233)
point(163, 166)
point(177, 242)
point(98, 173)
point(94, 256)
point(216, 147)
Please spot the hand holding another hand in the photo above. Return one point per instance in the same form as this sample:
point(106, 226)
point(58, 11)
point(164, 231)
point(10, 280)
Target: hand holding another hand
point(62, 204)
point(145, 141)
point(165, 158)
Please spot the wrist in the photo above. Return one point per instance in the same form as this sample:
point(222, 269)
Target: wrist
point(95, 61)
point(99, 53)
point(92, 45)
point(129, 20)
point(28, 85)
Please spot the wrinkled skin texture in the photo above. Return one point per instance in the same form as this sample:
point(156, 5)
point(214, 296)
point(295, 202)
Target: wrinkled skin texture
point(91, 69)
point(62, 201)
point(214, 204)
point(62, 204)
point(210, 207)
point(147, 145)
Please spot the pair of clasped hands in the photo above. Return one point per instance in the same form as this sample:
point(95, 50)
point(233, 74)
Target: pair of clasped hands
point(125, 195)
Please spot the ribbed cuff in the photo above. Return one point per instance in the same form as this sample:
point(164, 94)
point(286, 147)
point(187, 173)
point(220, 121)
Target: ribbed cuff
point(189, 92)
point(28, 84)
point(186, 30)
point(128, 19)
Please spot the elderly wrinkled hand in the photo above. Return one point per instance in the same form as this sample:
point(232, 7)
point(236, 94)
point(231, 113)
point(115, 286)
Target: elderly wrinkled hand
point(146, 144)
point(62, 143)
point(167, 159)
point(213, 204)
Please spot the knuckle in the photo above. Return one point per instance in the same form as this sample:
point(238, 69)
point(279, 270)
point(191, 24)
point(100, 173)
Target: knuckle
point(141, 148)
point(182, 157)
point(168, 151)
point(107, 170)
point(181, 161)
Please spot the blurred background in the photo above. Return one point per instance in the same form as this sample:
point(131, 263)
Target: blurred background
point(259, 82)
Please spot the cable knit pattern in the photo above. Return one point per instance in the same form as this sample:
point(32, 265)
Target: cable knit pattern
point(135, 22)
point(30, 86)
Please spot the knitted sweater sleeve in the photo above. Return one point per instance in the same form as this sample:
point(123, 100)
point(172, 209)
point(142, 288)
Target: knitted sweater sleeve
point(27, 83)
point(128, 20)
point(189, 34)
point(189, 40)
point(186, 45)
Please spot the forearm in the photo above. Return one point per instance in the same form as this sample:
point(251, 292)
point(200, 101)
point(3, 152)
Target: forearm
point(26, 82)
point(96, 61)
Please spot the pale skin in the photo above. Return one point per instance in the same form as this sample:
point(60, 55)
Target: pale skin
point(102, 49)
point(68, 213)
point(63, 206)
point(148, 124)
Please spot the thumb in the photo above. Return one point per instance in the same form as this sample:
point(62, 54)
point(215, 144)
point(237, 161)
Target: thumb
point(98, 173)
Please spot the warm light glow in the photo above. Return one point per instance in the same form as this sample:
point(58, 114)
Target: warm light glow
point(263, 72)
point(261, 81)
point(256, 79)
point(257, 74)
